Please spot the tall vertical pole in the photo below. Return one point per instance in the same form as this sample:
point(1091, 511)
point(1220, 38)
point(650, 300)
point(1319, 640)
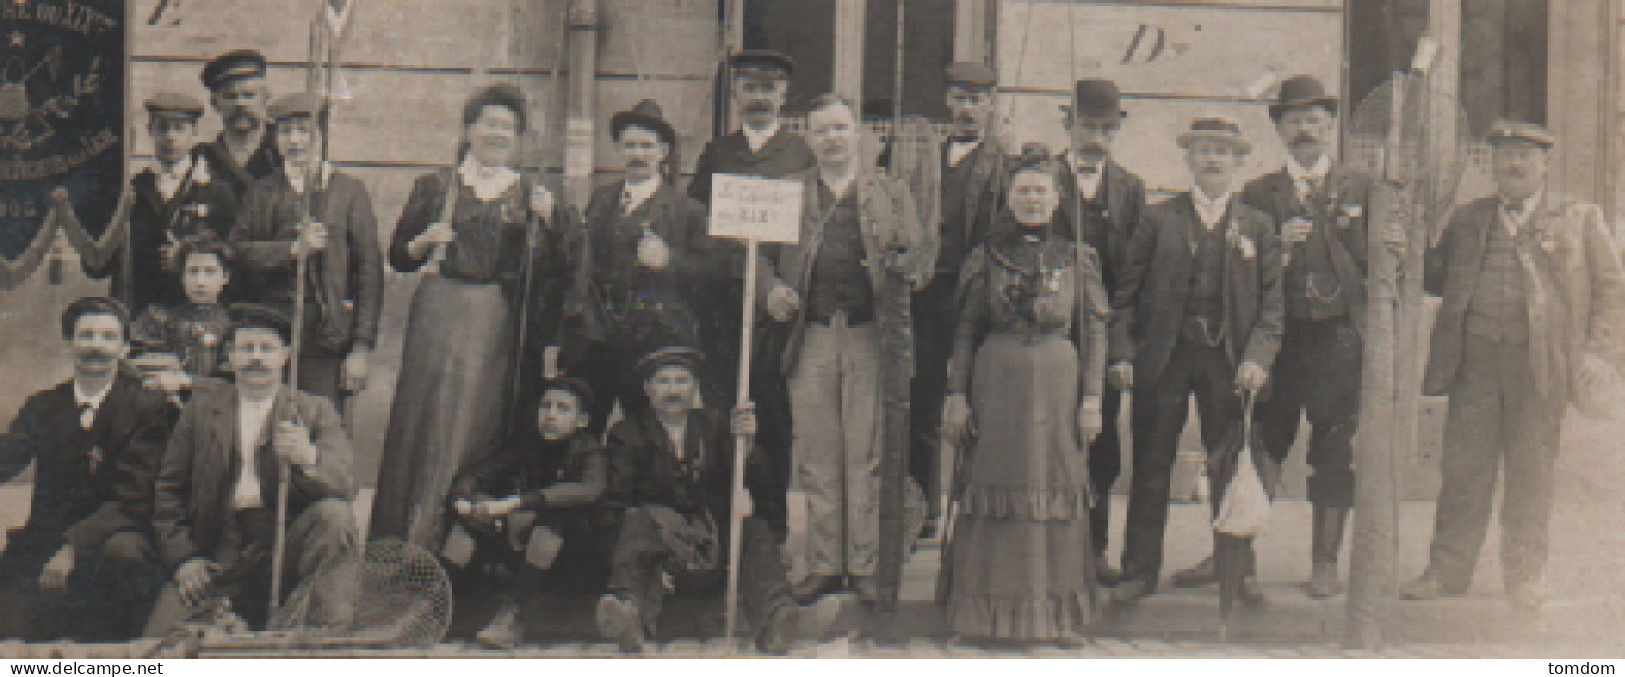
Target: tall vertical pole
point(736, 521)
point(579, 124)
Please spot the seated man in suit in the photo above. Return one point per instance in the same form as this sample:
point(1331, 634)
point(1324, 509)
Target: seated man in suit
point(215, 511)
point(671, 471)
point(83, 566)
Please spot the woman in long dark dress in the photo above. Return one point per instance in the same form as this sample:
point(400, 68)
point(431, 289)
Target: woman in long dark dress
point(1031, 346)
point(460, 351)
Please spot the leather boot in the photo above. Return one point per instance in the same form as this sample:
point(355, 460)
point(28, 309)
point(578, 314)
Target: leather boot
point(1326, 541)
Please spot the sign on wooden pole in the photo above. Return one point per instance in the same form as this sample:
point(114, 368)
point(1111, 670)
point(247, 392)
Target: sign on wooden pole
point(755, 210)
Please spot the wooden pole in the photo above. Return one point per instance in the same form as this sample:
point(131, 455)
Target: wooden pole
point(1371, 562)
point(736, 521)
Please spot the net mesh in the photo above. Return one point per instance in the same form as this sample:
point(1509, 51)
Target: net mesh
point(1424, 144)
point(396, 596)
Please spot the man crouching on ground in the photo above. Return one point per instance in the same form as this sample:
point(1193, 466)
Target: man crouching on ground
point(671, 471)
point(215, 511)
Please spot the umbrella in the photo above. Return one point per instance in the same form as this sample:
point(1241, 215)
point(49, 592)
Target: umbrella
point(1240, 484)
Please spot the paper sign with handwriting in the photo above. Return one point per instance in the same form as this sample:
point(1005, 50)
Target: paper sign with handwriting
point(750, 207)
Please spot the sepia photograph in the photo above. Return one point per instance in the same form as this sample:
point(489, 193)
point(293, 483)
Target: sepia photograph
point(844, 329)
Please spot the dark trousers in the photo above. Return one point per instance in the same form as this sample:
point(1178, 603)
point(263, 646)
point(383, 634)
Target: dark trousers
point(935, 320)
point(1496, 422)
point(107, 597)
point(1105, 465)
point(641, 555)
point(1318, 371)
point(1160, 409)
point(321, 539)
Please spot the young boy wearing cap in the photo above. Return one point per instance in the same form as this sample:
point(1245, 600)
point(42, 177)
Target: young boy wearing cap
point(180, 341)
point(302, 210)
point(1198, 310)
point(175, 199)
point(671, 493)
point(84, 564)
point(530, 504)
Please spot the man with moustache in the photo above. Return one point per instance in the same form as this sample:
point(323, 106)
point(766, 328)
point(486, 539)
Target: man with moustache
point(83, 566)
point(972, 192)
point(326, 217)
point(760, 147)
point(1198, 310)
point(1532, 318)
point(1320, 207)
point(174, 200)
point(828, 293)
point(216, 491)
point(246, 148)
point(1102, 205)
point(652, 259)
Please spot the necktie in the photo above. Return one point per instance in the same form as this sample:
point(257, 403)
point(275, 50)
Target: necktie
point(87, 416)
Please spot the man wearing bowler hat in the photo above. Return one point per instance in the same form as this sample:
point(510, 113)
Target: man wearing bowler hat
point(652, 261)
point(1102, 204)
point(1198, 310)
point(1321, 209)
point(173, 200)
point(1532, 318)
point(305, 210)
point(760, 147)
point(972, 192)
point(246, 148)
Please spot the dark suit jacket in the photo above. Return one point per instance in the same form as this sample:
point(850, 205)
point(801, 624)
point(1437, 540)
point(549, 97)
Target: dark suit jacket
point(1125, 202)
point(200, 204)
point(1345, 233)
point(783, 154)
point(261, 163)
point(88, 485)
point(1573, 278)
point(201, 465)
point(1150, 308)
point(984, 196)
point(350, 270)
point(678, 219)
point(643, 468)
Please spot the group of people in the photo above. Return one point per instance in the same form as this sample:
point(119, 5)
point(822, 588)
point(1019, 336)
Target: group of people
point(559, 413)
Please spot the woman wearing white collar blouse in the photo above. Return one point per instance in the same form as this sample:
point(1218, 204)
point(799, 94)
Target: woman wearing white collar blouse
point(462, 329)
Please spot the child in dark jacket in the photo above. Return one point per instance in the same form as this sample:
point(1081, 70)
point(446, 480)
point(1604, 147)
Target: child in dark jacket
point(521, 506)
point(177, 342)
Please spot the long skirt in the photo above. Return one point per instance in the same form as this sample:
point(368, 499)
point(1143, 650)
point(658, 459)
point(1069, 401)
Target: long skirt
point(448, 404)
point(1023, 565)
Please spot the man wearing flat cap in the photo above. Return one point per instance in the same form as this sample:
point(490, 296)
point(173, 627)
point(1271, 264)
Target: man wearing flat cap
point(1321, 208)
point(84, 566)
point(972, 192)
point(1533, 318)
point(760, 147)
point(216, 506)
point(302, 210)
point(652, 261)
point(1198, 310)
point(1101, 204)
point(174, 200)
point(246, 148)
point(671, 474)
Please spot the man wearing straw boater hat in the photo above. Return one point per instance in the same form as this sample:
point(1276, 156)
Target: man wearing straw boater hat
point(246, 148)
point(1102, 205)
point(305, 208)
point(1198, 310)
point(1532, 317)
point(973, 179)
point(651, 261)
point(217, 491)
point(1320, 208)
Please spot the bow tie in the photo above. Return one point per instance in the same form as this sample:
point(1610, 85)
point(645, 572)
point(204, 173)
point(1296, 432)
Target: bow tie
point(1090, 170)
point(964, 139)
